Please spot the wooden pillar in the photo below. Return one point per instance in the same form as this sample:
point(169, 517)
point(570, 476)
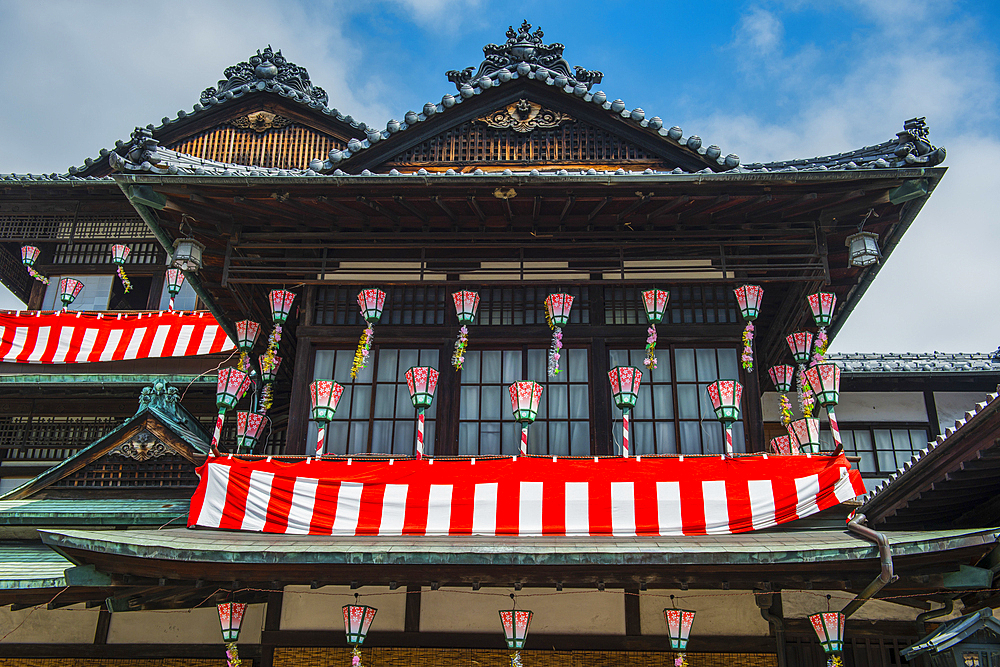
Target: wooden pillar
point(633, 626)
point(411, 620)
point(272, 623)
point(298, 400)
point(753, 413)
point(103, 626)
point(37, 295)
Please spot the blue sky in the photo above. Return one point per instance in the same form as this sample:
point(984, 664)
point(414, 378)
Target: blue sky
point(762, 79)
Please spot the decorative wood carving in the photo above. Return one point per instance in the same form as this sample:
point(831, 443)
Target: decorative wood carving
point(524, 116)
point(261, 121)
point(141, 447)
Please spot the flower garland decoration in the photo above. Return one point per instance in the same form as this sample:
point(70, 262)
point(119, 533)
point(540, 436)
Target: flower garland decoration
point(268, 375)
point(681, 660)
point(515, 659)
point(806, 399)
point(356, 657)
point(822, 305)
point(29, 255)
point(819, 348)
point(557, 307)
point(361, 354)
point(834, 661)
point(786, 410)
point(458, 357)
point(232, 655)
point(747, 358)
point(650, 360)
point(120, 253)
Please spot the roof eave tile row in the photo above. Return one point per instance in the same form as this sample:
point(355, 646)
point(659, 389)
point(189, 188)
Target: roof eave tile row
point(908, 362)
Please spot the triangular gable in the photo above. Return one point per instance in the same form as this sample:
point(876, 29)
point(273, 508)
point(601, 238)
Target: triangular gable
point(265, 112)
point(155, 450)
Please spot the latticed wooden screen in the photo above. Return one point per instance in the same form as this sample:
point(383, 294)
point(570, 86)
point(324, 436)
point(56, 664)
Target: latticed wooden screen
point(171, 472)
point(570, 142)
point(100, 253)
point(75, 226)
point(689, 304)
point(290, 147)
point(420, 657)
point(50, 438)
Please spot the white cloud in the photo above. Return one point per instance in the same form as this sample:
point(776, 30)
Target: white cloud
point(760, 31)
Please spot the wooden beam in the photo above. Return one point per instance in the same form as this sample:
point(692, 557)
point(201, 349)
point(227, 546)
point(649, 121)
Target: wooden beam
point(411, 620)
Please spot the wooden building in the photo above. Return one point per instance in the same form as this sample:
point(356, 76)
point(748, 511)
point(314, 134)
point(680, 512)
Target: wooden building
point(523, 181)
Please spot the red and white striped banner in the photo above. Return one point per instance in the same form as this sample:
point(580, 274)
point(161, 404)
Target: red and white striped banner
point(35, 337)
point(519, 496)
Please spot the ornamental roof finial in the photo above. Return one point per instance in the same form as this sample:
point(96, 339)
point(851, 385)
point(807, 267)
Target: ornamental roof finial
point(268, 70)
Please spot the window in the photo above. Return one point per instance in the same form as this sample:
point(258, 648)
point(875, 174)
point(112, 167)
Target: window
point(94, 295)
point(882, 449)
point(375, 414)
point(186, 298)
point(673, 402)
point(486, 423)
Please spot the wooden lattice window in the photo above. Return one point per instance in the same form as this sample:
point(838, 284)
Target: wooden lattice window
point(100, 253)
point(173, 472)
point(50, 438)
point(689, 304)
point(571, 142)
point(290, 147)
point(404, 305)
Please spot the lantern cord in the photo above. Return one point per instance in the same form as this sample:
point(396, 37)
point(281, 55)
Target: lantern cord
point(212, 370)
point(869, 214)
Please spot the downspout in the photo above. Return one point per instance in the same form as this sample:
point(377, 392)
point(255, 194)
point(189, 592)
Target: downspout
point(922, 618)
point(764, 604)
point(194, 279)
point(886, 577)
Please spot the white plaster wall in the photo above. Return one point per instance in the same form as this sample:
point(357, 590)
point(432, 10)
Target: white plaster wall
point(304, 608)
point(569, 612)
point(952, 406)
point(731, 613)
point(862, 406)
point(179, 626)
point(70, 625)
point(800, 604)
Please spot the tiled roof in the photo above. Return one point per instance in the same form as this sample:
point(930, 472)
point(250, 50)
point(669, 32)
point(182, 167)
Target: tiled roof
point(909, 362)
point(95, 512)
point(31, 565)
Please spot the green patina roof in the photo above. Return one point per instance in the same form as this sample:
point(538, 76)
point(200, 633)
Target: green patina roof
point(31, 565)
point(746, 548)
point(97, 512)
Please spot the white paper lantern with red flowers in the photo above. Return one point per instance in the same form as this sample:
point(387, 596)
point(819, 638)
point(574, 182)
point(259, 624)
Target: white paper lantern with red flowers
point(421, 381)
point(466, 305)
point(525, 397)
point(69, 289)
point(233, 383)
point(726, 396)
point(783, 445)
point(822, 304)
point(824, 380)
point(29, 255)
point(324, 395)
point(654, 302)
point(371, 302)
point(119, 254)
point(557, 307)
point(249, 427)
point(175, 280)
point(625, 391)
point(829, 627)
point(800, 343)
point(357, 621)
point(230, 618)
point(679, 622)
point(783, 377)
point(748, 297)
point(281, 305)
point(805, 434)
point(515, 624)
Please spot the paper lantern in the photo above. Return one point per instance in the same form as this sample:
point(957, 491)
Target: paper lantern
point(371, 302)
point(800, 343)
point(558, 306)
point(232, 384)
point(783, 445)
point(246, 335)
point(825, 382)
point(269, 370)
point(120, 253)
point(524, 400)
point(187, 255)
point(324, 396)
point(654, 302)
point(625, 386)
point(230, 619)
point(29, 255)
point(749, 297)
point(805, 434)
point(679, 622)
point(822, 304)
point(357, 620)
point(515, 624)
point(69, 289)
point(466, 305)
point(249, 427)
point(726, 396)
point(829, 627)
point(175, 280)
point(863, 249)
point(421, 381)
point(281, 305)
point(783, 377)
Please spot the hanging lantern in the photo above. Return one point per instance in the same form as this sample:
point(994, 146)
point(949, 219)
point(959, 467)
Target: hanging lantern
point(557, 307)
point(120, 253)
point(822, 304)
point(805, 434)
point(829, 627)
point(269, 369)
point(175, 280)
point(249, 427)
point(233, 383)
point(824, 380)
point(800, 343)
point(679, 622)
point(187, 255)
point(654, 302)
point(421, 381)
point(371, 302)
point(748, 297)
point(69, 289)
point(625, 390)
point(783, 445)
point(515, 624)
point(323, 396)
point(281, 305)
point(466, 305)
point(230, 618)
point(783, 377)
point(863, 249)
point(726, 396)
point(357, 620)
point(524, 399)
point(246, 336)
point(29, 255)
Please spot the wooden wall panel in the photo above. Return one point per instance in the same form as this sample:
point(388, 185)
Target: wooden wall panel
point(290, 147)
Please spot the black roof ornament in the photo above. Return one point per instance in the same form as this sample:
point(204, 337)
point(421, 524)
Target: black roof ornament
point(524, 46)
point(268, 70)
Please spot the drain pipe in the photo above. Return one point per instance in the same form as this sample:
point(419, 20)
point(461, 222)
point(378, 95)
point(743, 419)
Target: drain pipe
point(856, 525)
point(764, 604)
point(922, 618)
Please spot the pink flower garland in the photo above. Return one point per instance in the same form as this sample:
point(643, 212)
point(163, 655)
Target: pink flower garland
point(819, 347)
point(36, 275)
point(650, 360)
point(232, 655)
point(554, 352)
point(806, 400)
point(458, 357)
point(356, 657)
point(747, 359)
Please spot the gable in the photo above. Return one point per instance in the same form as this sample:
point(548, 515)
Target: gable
point(526, 132)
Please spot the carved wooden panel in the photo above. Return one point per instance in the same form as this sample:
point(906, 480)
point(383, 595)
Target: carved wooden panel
point(571, 142)
point(288, 147)
point(168, 471)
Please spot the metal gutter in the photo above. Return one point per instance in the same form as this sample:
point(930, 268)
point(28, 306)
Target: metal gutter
point(764, 603)
point(949, 606)
point(885, 577)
